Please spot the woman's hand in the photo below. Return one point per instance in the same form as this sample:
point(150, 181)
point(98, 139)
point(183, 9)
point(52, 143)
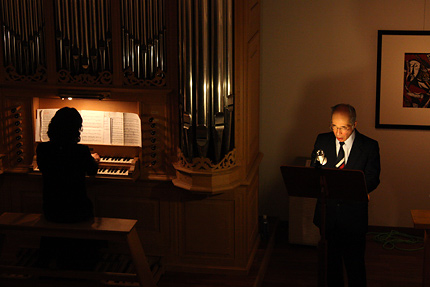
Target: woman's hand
point(96, 157)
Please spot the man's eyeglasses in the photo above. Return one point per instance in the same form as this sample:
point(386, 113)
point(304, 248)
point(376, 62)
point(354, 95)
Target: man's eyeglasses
point(341, 129)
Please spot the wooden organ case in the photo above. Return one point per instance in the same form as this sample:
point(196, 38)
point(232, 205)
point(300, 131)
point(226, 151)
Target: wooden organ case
point(198, 213)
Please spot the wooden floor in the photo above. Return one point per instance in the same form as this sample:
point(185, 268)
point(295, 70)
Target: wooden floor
point(294, 265)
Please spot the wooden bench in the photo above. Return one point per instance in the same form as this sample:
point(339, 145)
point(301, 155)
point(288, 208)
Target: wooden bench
point(110, 229)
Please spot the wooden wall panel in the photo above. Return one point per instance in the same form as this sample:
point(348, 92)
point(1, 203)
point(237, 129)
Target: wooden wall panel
point(31, 201)
point(24, 193)
point(253, 26)
point(207, 229)
point(253, 100)
point(4, 195)
point(3, 148)
point(152, 215)
point(146, 211)
point(252, 215)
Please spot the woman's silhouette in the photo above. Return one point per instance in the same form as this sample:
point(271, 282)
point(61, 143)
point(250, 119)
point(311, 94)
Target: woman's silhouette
point(64, 164)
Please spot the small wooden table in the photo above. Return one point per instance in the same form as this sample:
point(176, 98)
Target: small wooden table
point(421, 219)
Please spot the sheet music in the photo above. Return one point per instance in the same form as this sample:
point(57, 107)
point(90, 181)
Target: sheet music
point(98, 127)
point(93, 127)
point(132, 130)
point(117, 128)
point(106, 129)
point(45, 117)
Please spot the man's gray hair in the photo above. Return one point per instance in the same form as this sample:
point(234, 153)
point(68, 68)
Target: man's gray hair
point(346, 108)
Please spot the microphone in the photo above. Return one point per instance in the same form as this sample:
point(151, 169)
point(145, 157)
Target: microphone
point(320, 157)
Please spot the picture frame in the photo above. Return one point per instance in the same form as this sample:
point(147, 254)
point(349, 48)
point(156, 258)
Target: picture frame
point(403, 80)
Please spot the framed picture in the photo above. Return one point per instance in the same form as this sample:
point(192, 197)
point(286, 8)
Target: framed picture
point(403, 80)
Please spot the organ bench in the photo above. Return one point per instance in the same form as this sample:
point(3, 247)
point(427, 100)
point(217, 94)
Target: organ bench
point(101, 228)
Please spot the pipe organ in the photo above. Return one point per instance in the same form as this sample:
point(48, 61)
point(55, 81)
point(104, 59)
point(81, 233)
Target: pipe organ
point(189, 71)
point(83, 34)
point(23, 37)
point(206, 78)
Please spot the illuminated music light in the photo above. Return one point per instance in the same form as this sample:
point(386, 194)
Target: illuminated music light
point(93, 95)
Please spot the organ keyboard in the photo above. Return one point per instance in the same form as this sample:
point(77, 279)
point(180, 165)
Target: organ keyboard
point(118, 166)
point(117, 159)
point(112, 167)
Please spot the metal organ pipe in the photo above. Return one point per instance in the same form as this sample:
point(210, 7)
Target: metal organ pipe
point(202, 77)
point(131, 35)
point(145, 41)
point(83, 36)
point(206, 75)
point(23, 31)
point(229, 76)
point(142, 49)
point(137, 40)
point(219, 73)
point(184, 79)
point(94, 37)
point(189, 101)
point(162, 29)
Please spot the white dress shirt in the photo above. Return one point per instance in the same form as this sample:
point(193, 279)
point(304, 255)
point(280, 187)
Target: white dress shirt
point(347, 146)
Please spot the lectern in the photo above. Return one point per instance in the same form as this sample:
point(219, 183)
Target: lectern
point(324, 183)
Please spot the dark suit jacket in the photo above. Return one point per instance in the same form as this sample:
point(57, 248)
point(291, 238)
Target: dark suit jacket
point(349, 215)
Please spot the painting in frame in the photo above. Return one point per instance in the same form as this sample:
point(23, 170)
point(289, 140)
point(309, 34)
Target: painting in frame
point(403, 80)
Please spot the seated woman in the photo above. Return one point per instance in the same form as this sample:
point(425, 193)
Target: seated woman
point(64, 164)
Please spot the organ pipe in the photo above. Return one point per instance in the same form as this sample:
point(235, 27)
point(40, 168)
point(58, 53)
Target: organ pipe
point(87, 24)
point(206, 77)
point(23, 31)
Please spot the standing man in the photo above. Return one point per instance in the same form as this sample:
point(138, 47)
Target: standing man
point(346, 220)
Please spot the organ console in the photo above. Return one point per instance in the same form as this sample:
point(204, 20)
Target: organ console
point(117, 167)
point(195, 143)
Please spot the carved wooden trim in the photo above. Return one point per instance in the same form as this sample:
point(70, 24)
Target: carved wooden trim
point(65, 77)
point(205, 164)
point(130, 79)
point(2, 166)
point(39, 76)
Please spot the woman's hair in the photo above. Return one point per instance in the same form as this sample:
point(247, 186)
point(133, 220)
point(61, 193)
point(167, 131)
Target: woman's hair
point(65, 126)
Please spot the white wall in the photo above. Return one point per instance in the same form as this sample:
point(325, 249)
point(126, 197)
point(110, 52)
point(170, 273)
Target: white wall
point(315, 54)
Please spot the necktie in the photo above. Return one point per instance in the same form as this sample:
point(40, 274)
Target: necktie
point(340, 161)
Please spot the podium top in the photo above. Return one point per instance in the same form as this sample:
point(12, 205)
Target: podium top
point(338, 183)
